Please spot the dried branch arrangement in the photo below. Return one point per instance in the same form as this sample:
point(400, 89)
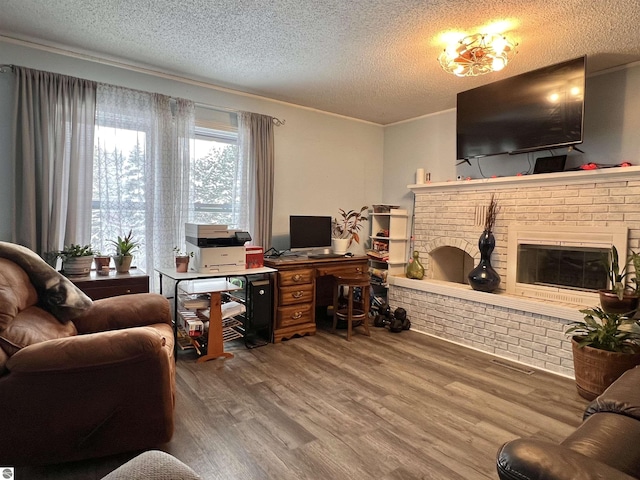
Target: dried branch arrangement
point(492, 212)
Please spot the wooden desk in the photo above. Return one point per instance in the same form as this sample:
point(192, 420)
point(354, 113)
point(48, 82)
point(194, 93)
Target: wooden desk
point(301, 285)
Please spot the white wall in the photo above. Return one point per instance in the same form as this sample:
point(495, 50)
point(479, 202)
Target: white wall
point(323, 161)
point(428, 142)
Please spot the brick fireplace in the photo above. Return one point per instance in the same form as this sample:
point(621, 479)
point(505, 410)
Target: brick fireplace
point(447, 224)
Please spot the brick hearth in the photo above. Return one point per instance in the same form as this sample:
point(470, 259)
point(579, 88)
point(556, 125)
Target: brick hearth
point(525, 330)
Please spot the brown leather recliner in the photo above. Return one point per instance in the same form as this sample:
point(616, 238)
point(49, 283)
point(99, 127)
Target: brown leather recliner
point(99, 383)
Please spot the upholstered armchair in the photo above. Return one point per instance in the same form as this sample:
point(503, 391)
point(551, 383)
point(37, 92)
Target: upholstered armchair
point(79, 379)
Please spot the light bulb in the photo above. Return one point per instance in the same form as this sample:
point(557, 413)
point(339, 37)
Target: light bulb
point(498, 44)
point(498, 63)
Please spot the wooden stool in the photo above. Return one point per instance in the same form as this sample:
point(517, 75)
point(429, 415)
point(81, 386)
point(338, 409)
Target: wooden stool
point(350, 314)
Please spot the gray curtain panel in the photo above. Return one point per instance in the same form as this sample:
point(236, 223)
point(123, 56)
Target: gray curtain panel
point(54, 127)
point(256, 147)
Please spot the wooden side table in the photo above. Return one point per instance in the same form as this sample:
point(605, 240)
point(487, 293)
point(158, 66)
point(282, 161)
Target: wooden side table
point(103, 286)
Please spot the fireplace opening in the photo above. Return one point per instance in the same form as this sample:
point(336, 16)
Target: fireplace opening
point(451, 264)
point(568, 267)
point(561, 263)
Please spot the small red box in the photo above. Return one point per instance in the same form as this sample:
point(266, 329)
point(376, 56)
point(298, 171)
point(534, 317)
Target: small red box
point(255, 257)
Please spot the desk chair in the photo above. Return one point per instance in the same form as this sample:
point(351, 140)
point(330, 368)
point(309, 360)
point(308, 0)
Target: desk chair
point(351, 282)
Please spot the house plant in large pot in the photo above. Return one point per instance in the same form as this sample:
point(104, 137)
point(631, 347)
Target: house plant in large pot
point(345, 230)
point(125, 247)
point(621, 297)
point(605, 345)
point(76, 259)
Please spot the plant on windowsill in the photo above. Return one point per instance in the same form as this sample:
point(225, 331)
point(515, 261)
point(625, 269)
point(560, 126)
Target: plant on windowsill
point(605, 345)
point(76, 259)
point(345, 230)
point(102, 263)
point(125, 247)
point(621, 297)
point(182, 259)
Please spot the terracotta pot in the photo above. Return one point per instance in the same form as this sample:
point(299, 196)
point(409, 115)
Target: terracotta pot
point(596, 369)
point(182, 264)
point(610, 302)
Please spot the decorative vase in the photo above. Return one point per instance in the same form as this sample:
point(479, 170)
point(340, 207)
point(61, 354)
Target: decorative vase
point(339, 246)
point(415, 269)
point(182, 264)
point(484, 278)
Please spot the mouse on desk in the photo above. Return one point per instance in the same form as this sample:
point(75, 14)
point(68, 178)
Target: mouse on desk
point(348, 254)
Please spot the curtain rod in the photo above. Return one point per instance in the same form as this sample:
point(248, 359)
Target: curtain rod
point(276, 121)
point(7, 68)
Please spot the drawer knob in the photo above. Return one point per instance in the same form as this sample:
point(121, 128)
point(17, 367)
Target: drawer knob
point(128, 291)
point(297, 294)
point(358, 269)
point(297, 277)
point(296, 315)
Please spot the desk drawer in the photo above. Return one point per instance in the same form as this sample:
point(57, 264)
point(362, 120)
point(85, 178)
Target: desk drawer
point(296, 294)
point(342, 270)
point(295, 277)
point(293, 315)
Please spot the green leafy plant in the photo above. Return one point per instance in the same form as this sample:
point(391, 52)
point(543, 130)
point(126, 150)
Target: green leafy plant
point(349, 224)
point(179, 253)
point(73, 251)
point(618, 273)
point(125, 246)
point(614, 332)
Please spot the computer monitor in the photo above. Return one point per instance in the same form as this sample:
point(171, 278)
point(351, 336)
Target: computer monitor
point(309, 232)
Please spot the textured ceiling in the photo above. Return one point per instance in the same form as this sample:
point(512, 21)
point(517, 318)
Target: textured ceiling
point(369, 59)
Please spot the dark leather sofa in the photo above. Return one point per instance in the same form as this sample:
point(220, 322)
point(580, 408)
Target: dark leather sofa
point(605, 446)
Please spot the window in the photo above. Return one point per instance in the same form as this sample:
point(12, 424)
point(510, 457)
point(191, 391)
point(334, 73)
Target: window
point(122, 171)
point(214, 173)
point(118, 200)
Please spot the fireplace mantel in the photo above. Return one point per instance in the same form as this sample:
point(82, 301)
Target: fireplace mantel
point(543, 179)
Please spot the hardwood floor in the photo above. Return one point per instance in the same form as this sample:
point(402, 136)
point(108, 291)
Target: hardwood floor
point(393, 406)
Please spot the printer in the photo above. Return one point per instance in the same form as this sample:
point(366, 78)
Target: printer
point(215, 248)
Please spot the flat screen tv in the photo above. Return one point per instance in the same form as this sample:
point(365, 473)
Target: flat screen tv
point(307, 232)
point(536, 110)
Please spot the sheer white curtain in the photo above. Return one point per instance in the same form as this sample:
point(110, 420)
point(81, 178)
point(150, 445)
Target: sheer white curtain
point(257, 155)
point(54, 118)
point(143, 144)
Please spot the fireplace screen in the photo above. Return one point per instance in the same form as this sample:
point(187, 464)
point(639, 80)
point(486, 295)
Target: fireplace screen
point(577, 268)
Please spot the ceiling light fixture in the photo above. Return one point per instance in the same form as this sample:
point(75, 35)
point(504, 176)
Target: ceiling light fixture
point(477, 54)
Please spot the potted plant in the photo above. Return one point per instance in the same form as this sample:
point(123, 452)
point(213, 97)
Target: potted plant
point(102, 263)
point(345, 229)
point(76, 259)
point(621, 297)
point(182, 259)
point(125, 246)
point(605, 345)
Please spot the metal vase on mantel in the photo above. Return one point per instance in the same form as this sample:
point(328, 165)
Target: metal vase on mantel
point(484, 278)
